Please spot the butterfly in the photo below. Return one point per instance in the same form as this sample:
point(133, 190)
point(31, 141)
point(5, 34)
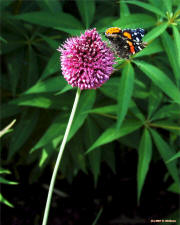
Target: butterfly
point(125, 42)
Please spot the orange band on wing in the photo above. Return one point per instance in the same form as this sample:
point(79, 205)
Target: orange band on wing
point(128, 35)
point(131, 47)
point(113, 30)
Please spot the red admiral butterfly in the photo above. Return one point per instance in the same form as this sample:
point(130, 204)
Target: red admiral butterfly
point(125, 42)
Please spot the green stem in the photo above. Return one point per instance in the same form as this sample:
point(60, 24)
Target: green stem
point(53, 179)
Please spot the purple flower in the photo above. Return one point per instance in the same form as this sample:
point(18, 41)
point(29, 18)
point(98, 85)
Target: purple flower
point(86, 61)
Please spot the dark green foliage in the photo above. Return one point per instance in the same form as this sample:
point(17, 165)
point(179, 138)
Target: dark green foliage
point(3, 172)
point(138, 107)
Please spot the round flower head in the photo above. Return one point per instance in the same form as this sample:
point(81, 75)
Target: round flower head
point(86, 61)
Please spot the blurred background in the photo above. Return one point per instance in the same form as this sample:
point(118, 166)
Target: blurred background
point(129, 176)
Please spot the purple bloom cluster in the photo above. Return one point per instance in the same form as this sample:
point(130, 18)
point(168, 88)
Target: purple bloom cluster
point(86, 61)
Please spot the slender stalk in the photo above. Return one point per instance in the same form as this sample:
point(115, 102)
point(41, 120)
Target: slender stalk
point(53, 178)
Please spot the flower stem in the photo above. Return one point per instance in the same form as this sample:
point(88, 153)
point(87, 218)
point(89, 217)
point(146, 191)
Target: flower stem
point(53, 178)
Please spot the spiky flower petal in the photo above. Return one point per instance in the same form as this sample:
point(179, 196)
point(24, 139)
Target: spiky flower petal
point(86, 61)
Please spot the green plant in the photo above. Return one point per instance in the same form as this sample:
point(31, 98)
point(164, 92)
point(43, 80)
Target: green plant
point(142, 96)
point(6, 130)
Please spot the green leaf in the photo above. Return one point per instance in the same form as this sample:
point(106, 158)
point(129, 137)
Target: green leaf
point(124, 10)
point(52, 43)
point(177, 155)
point(152, 48)
point(97, 217)
point(55, 130)
point(66, 88)
point(3, 200)
point(131, 140)
point(135, 110)
point(43, 100)
point(155, 99)
point(112, 133)
point(86, 102)
point(155, 32)
point(176, 35)
point(63, 21)
point(168, 5)
point(77, 152)
point(157, 4)
point(15, 38)
point(47, 152)
point(135, 21)
point(140, 94)
point(86, 10)
point(3, 40)
point(45, 155)
point(14, 63)
point(147, 6)
point(14, 26)
point(175, 188)
point(125, 91)
point(104, 110)
point(144, 159)
point(4, 171)
point(167, 111)
point(166, 153)
point(4, 181)
point(33, 72)
point(171, 50)
point(103, 122)
point(166, 124)
point(52, 84)
point(177, 10)
point(160, 79)
point(110, 88)
point(101, 24)
point(22, 132)
point(53, 66)
point(51, 6)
